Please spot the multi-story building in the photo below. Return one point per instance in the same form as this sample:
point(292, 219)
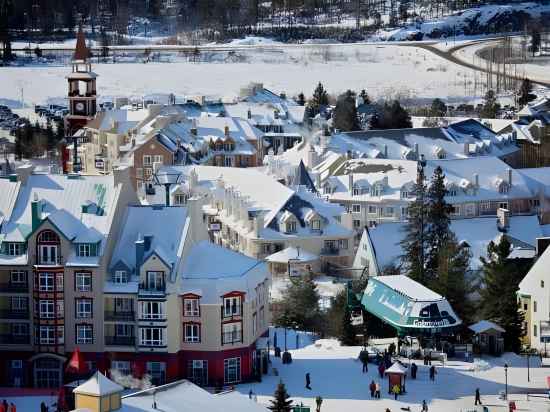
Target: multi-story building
point(56, 241)
point(250, 212)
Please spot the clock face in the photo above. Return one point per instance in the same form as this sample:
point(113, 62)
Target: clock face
point(79, 107)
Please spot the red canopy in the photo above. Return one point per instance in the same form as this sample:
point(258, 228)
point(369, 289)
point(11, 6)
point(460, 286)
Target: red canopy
point(77, 364)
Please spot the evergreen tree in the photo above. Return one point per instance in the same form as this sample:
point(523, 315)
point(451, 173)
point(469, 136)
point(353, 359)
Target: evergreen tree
point(393, 116)
point(438, 108)
point(300, 305)
point(345, 113)
point(281, 401)
point(414, 241)
point(319, 100)
point(490, 106)
point(301, 99)
point(499, 302)
point(525, 95)
point(50, 137)
point(347, 337)
point(439, 221)
point(364, 95)
point(535, 39)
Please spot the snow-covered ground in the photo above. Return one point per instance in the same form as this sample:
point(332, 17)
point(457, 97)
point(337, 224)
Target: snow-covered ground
point(336, 375)
point(383, 70)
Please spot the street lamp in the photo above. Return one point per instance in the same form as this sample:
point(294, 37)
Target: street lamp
point(167, 178)
point(506, 381)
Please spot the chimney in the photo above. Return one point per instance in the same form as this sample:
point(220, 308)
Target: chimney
point(23, 172)
point(350, 183)
point(416, 150)
point(147, 241)
point(476, 180)
point(312, 157)
point(194, 127)
point(503, 219)
point(226, 131)
point(258, 224)
point(385, 151)
point(36, 212)
point(249, 114)
point(140, 252)
point(509, 170)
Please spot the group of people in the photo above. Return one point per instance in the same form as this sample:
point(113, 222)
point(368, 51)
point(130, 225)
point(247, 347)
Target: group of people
point(5, 407)
point(374, 388)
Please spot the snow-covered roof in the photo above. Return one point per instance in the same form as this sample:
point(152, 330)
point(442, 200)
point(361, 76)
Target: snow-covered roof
point(184, 396)
point(118, 120)
point(484, 326)
point(292, 254)
point(9, 192)
point(98, 385)
point(530, 284)
point(408, 287)
point(396, 368)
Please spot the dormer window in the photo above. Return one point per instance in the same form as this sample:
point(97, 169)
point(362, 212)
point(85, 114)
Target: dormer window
point(85, 250)
point(356, 191)
point(180, 199)
point(315, 224)
point(121, 276)
point(291, 227)
point(503, 188)
point(14, 249)
point(376, 190)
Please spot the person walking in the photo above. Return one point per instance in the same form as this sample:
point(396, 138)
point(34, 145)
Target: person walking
point(414, 368)
point(432, 373)
point(478, 397)
point(318, 402)
point(377, 391)
point(395, 390)
point(365, 363)
point(424, 406)
point(12, 407)
point(381, 369)
point(308, 381)
point(43, 407)
point(372, 388)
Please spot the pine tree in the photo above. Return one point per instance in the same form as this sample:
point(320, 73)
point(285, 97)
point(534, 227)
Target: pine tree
point(300, 305)
point(414, 241)
point(438, 108)
point(319, 100)
point(365, 96)
point(525, 95)
point(499, 302)
point(281, 401)
point(490, 106)
point(393, 116)
point(348, 330)
point(345, 113)
point(438, 220)
point(301, 99)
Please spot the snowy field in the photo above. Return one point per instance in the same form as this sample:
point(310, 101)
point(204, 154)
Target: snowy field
point(336, 376)
point(383, 70)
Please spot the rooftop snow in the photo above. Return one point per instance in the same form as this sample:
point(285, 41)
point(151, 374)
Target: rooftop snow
point(408, 287)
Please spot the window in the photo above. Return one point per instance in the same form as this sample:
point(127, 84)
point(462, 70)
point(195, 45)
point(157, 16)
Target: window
point(152, 336)
point(84, 249)
point(262, 317)
point(46, 309)
point(356, 191)
point(534, 306)
point(15, 249)
point(148, 173)
point(60, 308)
point(525, 306)
point(405, 194)
point(315, 224)
point(48, 236)
point(84, 308)
point(342, 243)
point(291, 226)
point(157, 371)
point(372, 209)
point(232, 370)
point(192, 332)
point(452, 192)
point(405, 212)
point(59, 281)
point(155, 281)
point(266, 247)
point(254, 324)
point(152, 310)
point(356, 223)
point(158, 159)
point(535, 330)
point(388, 211)
point(232, 333)
point(180, 199)
point(121, 276)
point(228, 161)
point(191, 307)
point(503, 205)
point(84, 334)
point(139, 173)
point(124, 330)
point(45, 282)
point(83, 281)
point(147, 160)
point(48, 255)
point(19, 303)
point(455, 210)
point(18, 277)
point(197, 371)
point(232, 306)
point(355, 208)
point(47, 335)
point(123, 367)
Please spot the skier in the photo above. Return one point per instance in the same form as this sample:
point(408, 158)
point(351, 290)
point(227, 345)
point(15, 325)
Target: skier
point(432, 373)
point(424, 406)
point(318, 402)
point(372, 388)
point(478, 397)
point(308, 381)
point(414, 368)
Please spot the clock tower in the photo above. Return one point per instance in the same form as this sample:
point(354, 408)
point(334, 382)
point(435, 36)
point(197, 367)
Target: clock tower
point(82, 95)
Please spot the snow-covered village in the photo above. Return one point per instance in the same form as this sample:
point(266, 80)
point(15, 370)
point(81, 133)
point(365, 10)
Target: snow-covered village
point(279, 205)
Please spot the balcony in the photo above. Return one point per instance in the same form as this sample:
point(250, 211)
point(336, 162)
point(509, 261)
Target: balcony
point(11, 339)
point(14, 314)
point(120, 340)
point(14, 287)
point(145, 291)
point(118, 316)
point(330, 251)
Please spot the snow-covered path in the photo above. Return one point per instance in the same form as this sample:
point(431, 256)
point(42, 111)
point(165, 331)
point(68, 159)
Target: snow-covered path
point(337, 377)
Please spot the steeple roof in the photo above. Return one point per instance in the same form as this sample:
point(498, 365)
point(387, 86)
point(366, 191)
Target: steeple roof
point(81, 51)
point(303, 178)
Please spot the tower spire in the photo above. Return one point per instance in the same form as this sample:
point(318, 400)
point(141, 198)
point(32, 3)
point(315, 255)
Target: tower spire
point(81, 51)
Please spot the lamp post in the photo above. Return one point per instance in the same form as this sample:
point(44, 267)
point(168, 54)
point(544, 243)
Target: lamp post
point(167, 178)
point(506, 381)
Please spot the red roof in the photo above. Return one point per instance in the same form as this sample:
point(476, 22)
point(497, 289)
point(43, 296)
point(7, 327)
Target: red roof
point(81, 52)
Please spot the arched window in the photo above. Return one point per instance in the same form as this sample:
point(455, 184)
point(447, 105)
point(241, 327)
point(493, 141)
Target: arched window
point(48, 248)
point(48, 236)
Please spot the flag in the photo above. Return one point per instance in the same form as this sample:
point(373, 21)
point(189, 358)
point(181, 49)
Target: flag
point(77, 365)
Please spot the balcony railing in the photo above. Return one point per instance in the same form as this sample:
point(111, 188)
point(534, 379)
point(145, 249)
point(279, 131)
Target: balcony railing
point(145, 290)
point(120, 316)
point(14, 314)
point(330, 251)
point(14, 287)
point(232, 337)
point(11, 339)
point(120, 340)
